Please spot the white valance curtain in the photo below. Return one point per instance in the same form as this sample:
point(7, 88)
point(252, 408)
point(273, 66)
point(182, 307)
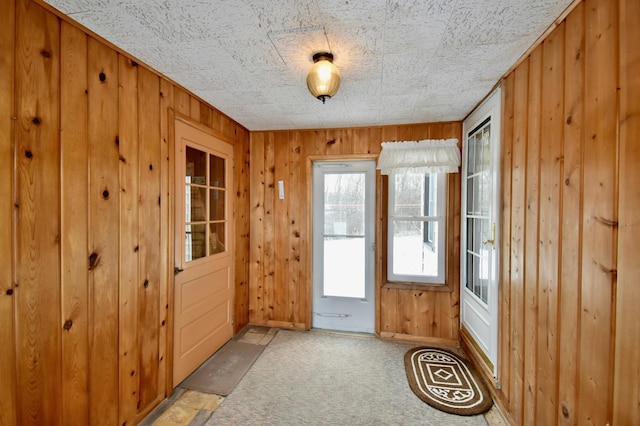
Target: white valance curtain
point(425, 156)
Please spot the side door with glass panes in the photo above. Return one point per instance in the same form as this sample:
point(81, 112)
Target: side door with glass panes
point(479, 242)
point(203, 247)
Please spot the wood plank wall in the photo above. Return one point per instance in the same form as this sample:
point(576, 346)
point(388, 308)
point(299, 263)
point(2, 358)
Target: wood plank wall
point(626, 376)
point(85, 207)
point(280, 256)
point(8, 397)
point(570, 334)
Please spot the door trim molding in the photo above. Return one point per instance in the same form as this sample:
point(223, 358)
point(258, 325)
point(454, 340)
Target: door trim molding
point(170, 254)
point(487, 375)
point(206, 129)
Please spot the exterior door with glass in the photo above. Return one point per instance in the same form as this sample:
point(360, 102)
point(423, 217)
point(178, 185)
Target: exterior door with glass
point(343, 246)
point(479, 242)
point(203, 248)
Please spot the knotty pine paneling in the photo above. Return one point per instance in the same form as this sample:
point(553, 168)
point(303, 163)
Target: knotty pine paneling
point(532, 218)
point(571, 184)
point(573, 335)
point(550, 174)
point(149, 235)
point(104, 215)
point(74, 229)
point(626, 380)
point(241, 217)
point(280, 256)
point(599, 213)
point(8, 401)
point(167, 244)
point(129, 243)
point(504, 318)
point(87, 308)
point(37, 296)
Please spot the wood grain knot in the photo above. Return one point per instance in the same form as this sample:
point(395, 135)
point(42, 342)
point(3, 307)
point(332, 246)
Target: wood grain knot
point(103, 77)
point(150, 166)
point(331, 142)
point(136, 248)
point(163, 322)
point(569, 119)
point(607, 222)
point(146, 283)
point(565, 411)
point(36, 121)
point(28, 154)
point(608, 271)
point(45, 53)
point(105, 194)
point(134, 64)
point(67, 325)
point(117, 140)
point(94, 260)
point(9, 292)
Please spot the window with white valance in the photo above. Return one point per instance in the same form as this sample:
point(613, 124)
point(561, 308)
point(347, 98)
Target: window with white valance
point(425, 156)
point(417, 207)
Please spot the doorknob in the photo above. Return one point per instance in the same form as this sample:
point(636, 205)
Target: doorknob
point(177, 270)
point(492, 240)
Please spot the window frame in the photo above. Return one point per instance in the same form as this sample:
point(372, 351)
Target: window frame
point(441, 218)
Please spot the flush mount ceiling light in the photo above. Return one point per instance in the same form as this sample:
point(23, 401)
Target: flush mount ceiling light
point(323, 79)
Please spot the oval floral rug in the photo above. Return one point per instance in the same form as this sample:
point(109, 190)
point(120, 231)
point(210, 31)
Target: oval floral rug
point(446, 382)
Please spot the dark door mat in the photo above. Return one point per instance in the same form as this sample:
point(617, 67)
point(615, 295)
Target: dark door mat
point(222, 372)
point(447, 382)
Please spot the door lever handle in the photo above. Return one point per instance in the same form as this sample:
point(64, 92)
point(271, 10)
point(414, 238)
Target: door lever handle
point(492, 240)
point(176, 271)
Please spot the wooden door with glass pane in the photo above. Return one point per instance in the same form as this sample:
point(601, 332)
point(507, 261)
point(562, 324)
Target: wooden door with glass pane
point(204, 247)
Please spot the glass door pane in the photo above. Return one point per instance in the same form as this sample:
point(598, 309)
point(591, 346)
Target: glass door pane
point(477, 213)
point(205, 204)
point(344, 239)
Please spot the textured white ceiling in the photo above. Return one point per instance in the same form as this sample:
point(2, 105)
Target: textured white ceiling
point(402, 61)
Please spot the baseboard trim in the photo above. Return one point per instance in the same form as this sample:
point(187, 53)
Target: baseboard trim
point(477, 359)
point(419, 339)
point(281, 324)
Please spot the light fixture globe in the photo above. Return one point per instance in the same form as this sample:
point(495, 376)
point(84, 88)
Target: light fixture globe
point(323, 79)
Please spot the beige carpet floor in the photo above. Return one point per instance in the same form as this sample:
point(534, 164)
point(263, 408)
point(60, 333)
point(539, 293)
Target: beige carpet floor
point(322, 378)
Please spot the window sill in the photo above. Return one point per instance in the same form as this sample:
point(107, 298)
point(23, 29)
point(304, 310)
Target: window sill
point(417, 286)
